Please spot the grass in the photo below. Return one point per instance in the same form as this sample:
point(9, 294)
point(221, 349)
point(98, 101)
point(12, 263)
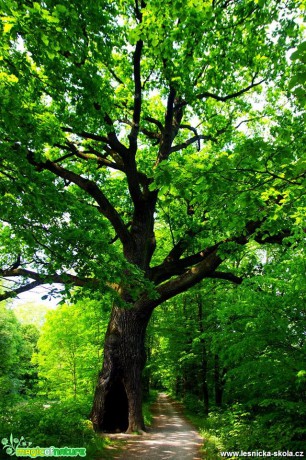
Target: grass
point(213, 443)
point(237, 428)
point(146, 407)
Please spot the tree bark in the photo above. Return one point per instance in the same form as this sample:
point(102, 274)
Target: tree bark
point(205, 392)
point(117, 403)
point(219, 382)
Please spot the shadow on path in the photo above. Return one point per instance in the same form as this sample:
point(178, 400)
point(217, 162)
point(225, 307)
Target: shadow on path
point(170, 437)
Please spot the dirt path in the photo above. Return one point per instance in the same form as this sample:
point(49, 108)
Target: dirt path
point(170, 437)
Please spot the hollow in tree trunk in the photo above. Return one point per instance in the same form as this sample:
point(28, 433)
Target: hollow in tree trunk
point(118, 397)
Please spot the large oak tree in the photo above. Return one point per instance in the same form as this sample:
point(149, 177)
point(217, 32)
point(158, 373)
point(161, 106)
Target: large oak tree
point(143, 144)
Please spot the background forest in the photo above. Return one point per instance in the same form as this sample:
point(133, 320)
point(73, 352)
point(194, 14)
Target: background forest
point(234, 355)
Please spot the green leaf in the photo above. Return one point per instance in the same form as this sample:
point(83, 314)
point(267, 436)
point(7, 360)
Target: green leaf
point(45, 39)
point(7, 26)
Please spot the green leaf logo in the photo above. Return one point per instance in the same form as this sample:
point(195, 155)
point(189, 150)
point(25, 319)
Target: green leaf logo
point(12, 444)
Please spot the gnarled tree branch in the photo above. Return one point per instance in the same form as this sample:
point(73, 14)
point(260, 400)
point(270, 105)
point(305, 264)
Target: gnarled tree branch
point(64, 278)
point(91, 188)
point(14, 292)
point(190, 141)
point(137, 97)
point(208, 94)
point(184, 281)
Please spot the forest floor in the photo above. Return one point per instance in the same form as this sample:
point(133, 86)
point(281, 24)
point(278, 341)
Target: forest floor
point(169, 437)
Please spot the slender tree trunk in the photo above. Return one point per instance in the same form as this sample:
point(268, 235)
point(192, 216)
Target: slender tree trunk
point(204, 363)
point(74, 378)
point(205, 391)
point(118, 397)
point(219, 382)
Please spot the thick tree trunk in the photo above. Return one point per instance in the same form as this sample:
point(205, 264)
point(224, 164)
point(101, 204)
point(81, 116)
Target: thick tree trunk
point(118, 397)
point(117, 402)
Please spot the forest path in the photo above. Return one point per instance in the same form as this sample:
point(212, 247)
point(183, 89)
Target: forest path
point(170, 437)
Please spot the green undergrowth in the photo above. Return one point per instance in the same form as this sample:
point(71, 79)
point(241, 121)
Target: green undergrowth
point(146, 407)
point(58, 424)
point(237, 428)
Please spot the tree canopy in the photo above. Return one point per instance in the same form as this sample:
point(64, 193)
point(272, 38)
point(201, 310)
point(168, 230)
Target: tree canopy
point(105, 107)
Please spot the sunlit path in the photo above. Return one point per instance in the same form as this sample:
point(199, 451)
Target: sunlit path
point(170, 437)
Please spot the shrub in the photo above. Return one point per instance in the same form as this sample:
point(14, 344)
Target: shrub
point(57, 424)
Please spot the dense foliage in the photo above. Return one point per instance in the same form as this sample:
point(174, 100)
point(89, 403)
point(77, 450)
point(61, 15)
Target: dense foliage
point(212, 127)
point(241, 359)
point(70, 350)
point(149, 149)
point(45, 392)
point(17, 344)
